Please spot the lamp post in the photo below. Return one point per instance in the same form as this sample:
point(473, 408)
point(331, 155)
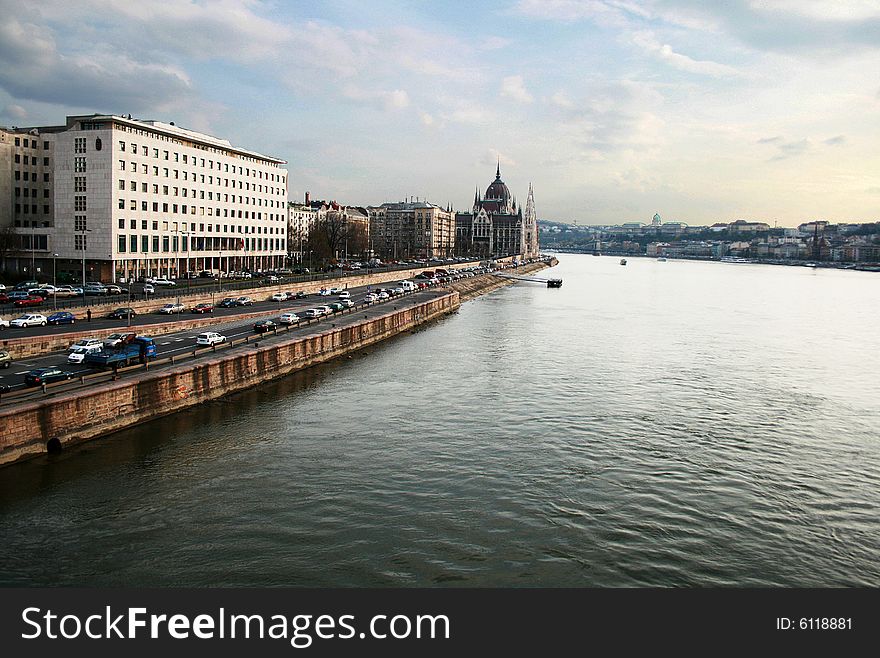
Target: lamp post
point(186, 235)
point(84, 231)
point(33, 250)
point(220, 274)
point(54, 284)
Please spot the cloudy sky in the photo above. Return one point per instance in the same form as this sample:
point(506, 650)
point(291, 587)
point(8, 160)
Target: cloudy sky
point(613, 109)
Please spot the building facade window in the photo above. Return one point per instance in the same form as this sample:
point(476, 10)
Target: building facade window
point(79, 164)
point(79, 223)
point(79, 145)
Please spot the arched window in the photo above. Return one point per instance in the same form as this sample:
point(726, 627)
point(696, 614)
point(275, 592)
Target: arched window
point(98, 144)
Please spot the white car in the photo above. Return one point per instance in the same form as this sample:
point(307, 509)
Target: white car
point(4, 324)
point(2, 287)
point(87, 343)
point(210, 338)
point(335, 291)
point(344, 295)
point(325, 310)
point(149, 289)
point(29, 320)
point(313, 313)
point(370, 298)
point(347, 303)
point(323, 292)
point(113, 340)
point(77, 354)
point(172, 308)
point(288, 318)
point(398, 291)
point(163, 282)
point(279, 297)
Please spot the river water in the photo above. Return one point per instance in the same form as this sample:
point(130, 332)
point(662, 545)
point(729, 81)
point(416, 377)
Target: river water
point(660, 424)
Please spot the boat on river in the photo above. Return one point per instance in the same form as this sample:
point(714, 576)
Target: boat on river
point(554, 283)
point(623, 261)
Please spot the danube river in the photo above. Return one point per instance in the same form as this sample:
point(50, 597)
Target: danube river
point(659, 424)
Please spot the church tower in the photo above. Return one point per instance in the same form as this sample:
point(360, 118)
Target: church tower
point(530, 227)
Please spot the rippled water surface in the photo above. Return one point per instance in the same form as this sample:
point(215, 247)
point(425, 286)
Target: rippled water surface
point(659, 424)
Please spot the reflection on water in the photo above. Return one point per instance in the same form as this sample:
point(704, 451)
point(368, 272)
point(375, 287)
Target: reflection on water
point(671, 424)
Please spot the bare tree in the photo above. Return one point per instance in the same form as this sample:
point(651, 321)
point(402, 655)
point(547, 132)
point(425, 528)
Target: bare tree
point(9, 242)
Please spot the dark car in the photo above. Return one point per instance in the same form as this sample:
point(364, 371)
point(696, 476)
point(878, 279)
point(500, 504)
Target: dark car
point(300, 295)
point(30, 300)
point(122, 313)
point(46, 376)
point(203, 308)
point(229, 302)
point(61, 317)
point(263, 326)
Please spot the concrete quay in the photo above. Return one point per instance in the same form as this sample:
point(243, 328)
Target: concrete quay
point(71, 415)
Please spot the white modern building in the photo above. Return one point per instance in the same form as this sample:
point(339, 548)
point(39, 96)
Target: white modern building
point(131, 198)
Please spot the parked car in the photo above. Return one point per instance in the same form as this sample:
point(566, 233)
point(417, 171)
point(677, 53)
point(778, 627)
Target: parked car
point(26, 285)
point(5, 359)
point(78, 354)
point(244, 301)
point(113, 289)
point(114, 340)
point(87, 343)
point(122, 313)
point(149, 289)
point(228, 302)
point(203, 308)
point(65, 291)
point(46, 376)
point(263, 326)
point(279, 297)
point(29, 320)
point(95, 289)
point(30, 300)
point(210, 338)
point(288, 318)
point(272, 279)
point(4, 298)
point(163, 282)
point(61, 317)
point(168, 309)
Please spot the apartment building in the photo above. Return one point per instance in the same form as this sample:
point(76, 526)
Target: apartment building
point(412, 229)
point(130, 198)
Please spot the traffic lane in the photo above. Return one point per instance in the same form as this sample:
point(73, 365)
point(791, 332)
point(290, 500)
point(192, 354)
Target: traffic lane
point(153, 317)
point(184, 341)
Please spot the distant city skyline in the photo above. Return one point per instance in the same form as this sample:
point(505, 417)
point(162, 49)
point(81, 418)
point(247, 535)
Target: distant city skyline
point(612, 109)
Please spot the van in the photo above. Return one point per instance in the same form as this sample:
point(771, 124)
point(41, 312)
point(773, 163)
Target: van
point(408, 286)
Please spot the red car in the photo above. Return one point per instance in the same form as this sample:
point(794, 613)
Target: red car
point(33, 300)
point(4, 298)
point(203, 308)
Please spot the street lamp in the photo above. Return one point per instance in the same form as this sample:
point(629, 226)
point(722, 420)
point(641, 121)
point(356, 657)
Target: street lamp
point(54, 284)
point(186, 235)
point(84, 231)
point(220, 274)
point(33, 250)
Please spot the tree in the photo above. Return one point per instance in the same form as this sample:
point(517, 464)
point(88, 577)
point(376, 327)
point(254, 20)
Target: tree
point(9, 242)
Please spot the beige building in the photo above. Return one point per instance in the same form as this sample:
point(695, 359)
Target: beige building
point(412, 229)
point(118, 198)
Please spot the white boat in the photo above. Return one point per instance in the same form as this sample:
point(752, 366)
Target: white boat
point(661, 259)
point(623, 261)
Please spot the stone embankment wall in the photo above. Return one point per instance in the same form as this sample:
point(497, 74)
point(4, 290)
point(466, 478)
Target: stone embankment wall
point(480, 285)
point(26, 430)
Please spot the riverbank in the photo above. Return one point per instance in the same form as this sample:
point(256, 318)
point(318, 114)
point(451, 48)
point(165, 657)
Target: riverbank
point(71, 416)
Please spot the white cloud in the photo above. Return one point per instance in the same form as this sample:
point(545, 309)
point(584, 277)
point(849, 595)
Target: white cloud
point(513, 87)
point(396, 99)
point(647, 41)
point(493, 157)
point(561, 99)
point(426, 118)
point(822, 10)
